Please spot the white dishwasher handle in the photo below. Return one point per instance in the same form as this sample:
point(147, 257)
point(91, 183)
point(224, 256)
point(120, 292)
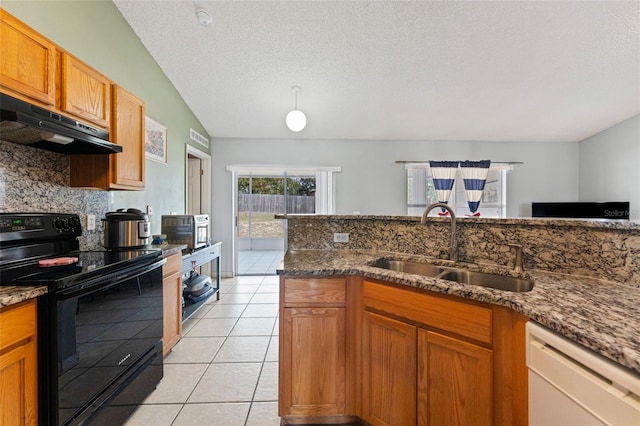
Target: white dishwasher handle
point(605, 389)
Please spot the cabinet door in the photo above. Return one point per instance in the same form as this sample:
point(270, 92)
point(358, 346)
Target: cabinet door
point(124, 170)
point(454, 382)
point(172, 312)
point(18, 404)
point(18, 365)
point(172, 302)
point(314, 380)
point(85, 92)
point(128, 131)
point(389, 371)
point(28, 61)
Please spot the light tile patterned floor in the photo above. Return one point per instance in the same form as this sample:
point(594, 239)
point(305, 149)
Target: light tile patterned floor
point(224, 370)
point(259, 262)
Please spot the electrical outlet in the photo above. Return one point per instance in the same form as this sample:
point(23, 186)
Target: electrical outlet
point(91, 222)
point(340, 237)
point(149, 210)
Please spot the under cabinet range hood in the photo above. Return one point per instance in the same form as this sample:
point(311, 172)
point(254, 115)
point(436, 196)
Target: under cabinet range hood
point(26, 124)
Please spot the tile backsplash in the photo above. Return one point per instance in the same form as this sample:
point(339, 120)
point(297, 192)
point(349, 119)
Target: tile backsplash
point(34, 180)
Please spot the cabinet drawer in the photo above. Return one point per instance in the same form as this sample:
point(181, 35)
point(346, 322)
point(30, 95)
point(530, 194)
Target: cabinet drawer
point(315, 290)
point(173, 265)
point(188, 261)
point(461, 318)
point(18, 323)
point(213, 252)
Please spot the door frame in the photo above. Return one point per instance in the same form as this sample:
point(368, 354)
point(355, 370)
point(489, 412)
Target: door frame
point(205, 180)
point(327, 205)
point(266, 243)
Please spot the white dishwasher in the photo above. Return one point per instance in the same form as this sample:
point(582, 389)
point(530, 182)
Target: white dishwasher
point(570, 385)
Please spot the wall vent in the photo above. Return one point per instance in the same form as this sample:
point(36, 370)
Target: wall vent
point(195, 136)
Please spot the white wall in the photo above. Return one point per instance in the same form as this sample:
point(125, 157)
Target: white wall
point(610, 165)
point(373, 184)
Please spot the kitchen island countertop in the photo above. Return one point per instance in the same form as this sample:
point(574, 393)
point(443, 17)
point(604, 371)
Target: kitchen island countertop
point(601, 315)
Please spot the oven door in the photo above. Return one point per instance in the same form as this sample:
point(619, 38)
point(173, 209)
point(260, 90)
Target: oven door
point(202, 235)
point(106, 336)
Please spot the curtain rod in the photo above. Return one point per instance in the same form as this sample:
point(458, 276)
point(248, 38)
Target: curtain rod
point(427, 162)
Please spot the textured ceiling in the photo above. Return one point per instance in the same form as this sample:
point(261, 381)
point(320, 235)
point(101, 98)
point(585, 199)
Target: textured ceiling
point(416, 70)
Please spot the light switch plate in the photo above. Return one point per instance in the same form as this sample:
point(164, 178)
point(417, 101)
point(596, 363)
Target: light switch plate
point(91, 222)
point(340, 237)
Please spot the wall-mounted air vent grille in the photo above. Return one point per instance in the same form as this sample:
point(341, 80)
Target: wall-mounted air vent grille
point(198, 138)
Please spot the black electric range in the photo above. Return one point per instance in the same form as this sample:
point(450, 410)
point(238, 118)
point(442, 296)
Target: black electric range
point(99, 325)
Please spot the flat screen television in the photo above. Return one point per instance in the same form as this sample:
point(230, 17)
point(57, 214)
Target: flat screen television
point(582, 210)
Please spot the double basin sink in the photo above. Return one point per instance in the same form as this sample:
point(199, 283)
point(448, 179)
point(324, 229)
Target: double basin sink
point(461, 276)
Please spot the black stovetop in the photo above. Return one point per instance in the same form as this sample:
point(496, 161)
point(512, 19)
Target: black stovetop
point(90, 264)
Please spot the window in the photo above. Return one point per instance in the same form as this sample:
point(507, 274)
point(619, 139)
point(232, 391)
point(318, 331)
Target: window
point(421, 193)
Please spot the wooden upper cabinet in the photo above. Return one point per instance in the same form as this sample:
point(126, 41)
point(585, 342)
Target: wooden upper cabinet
point(85, 92)
point(127, 130)
point(124, 170)
point(28, 61)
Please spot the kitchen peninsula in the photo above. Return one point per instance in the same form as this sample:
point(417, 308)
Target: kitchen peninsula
point(586, 277)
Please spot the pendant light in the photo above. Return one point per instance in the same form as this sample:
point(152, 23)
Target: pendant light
point(296, 120)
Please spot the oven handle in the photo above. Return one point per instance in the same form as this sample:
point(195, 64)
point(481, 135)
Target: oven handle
point(106, 281)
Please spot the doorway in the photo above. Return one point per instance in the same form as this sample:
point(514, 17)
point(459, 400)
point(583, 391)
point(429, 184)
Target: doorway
point(198, 188)
point(197, 182)
point(261, 238)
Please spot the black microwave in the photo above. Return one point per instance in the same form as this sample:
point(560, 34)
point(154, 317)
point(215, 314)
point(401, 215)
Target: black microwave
point(190, 229)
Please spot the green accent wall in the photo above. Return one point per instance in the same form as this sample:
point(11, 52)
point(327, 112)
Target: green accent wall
point(96, 32)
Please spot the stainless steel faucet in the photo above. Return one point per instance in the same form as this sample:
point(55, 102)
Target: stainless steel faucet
point(453, 246)
point(518, 266)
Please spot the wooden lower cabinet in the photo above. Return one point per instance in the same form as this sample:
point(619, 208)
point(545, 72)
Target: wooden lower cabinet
point(439, 360)
point(316, 361)
point(318, 353)
point(455, 381)
point(389, 371)
point(414, 376)
point(172, 302)
point(18, 365)
point(407, 356)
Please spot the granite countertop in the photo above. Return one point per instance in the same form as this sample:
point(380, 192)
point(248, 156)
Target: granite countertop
point(600, 315)
point(168, 249)
point(13, 294)
point(632, 225)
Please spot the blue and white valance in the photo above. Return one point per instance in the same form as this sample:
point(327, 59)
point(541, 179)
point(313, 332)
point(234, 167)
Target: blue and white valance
point(444, 175)
point(474, 176)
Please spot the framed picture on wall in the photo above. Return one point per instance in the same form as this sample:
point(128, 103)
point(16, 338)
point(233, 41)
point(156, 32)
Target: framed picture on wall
point(155, 141)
